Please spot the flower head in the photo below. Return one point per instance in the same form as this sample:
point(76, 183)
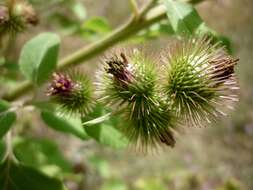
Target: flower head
point(128, 82)
point(200, 80)
point(118, 67)
point(61, 85)
point(72, 92)
point(15, 17)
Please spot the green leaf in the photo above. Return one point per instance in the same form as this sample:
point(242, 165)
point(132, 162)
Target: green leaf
point(65, 124)
point(104, 132)
point(19, 177)
point(39, 56)
point(4, 105)
point(6, 120)
point(97, 24)
point(94, 28)
point(203, 29)
point(183, 17)
point(166, 28)
point(42, 154)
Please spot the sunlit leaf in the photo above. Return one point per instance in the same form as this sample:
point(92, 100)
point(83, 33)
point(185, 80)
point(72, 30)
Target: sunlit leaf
point(183, 17)
point(65, 124)
point(39, 56)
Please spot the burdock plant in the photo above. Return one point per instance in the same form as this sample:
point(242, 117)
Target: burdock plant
point(15, 16)
point(128, 82)
point(200, 80)
point(72, 92)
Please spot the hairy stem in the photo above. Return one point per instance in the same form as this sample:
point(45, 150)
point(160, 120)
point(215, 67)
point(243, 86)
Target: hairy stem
point(132, 26)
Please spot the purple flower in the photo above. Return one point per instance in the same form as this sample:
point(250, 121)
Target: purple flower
point(118, 67)
point(61, 85)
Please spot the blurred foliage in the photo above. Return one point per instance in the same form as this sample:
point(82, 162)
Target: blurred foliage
point(223, 162)
point(15, 175)
point(34, 152)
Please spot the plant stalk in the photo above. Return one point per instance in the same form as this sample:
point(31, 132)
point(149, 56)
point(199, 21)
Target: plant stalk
point(131, 27)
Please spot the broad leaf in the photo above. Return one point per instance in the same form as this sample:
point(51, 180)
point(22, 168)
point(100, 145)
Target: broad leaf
point(6, 120)
point(65, 124)
point(183, 17)
point(39, 57)
point(19, 177)
point(104, 132)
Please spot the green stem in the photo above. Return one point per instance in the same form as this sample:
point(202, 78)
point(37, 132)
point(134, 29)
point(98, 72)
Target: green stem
point(134, 8)
point(147, 7)
point(132, 26)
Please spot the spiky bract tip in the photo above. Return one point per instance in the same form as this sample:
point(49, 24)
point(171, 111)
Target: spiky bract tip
point(13, 25)
point(128, 82)
point(72, 91)
point(200, 80)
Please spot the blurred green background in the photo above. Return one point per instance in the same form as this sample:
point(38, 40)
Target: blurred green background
point(218, 157)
